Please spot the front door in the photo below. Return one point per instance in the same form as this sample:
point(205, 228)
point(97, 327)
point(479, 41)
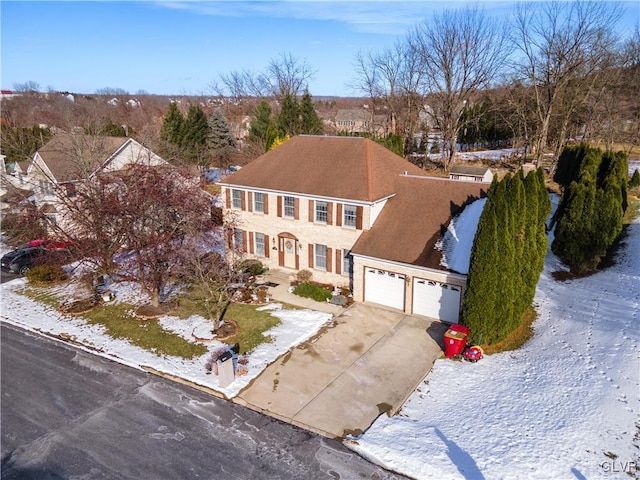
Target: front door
point(288, 252)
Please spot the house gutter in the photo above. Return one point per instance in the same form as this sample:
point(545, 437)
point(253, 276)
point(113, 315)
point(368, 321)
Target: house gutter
point(448, 274)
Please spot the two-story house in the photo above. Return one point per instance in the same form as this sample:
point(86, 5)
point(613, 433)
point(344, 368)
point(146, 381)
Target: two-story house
point(354, 214)
point(67, 160)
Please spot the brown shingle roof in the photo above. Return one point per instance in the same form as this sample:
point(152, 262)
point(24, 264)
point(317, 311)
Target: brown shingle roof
point(412, 221)
point(75, 156)
point(340, 167)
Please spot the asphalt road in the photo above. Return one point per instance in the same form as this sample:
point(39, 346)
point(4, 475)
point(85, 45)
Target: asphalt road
point(68, 414)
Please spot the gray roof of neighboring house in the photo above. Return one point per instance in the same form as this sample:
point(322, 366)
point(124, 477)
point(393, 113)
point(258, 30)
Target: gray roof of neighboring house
point(466, 170)
point(74, 156)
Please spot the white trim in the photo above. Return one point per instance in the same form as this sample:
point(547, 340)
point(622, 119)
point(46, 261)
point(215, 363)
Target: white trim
point(448, 274)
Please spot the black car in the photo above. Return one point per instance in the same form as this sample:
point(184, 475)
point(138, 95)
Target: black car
point(23, 259)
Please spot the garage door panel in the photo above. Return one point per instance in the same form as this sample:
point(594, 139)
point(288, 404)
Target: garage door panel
point(436, 300)
point(385, 288)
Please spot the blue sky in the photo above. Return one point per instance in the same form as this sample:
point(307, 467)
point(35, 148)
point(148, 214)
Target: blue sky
point(182, 47)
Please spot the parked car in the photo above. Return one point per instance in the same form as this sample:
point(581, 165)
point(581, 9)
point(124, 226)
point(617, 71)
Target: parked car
point(23, 259)
point(48, 244)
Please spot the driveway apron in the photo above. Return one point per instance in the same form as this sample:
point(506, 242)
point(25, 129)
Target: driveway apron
point(367, 362)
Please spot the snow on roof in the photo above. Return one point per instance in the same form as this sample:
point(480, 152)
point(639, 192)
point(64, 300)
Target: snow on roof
point(458, 239)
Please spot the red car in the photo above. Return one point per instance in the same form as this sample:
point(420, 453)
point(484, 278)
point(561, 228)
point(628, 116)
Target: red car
point(47, 244)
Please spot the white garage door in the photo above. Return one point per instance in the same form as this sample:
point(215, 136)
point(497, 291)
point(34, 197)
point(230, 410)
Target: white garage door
point(385, 288)
point(436, 300)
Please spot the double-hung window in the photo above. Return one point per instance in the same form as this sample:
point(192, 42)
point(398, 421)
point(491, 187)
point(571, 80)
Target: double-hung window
point(350, 213)
point(260, 245)
point(289, 207)
point(236, 199)
point(321, 212)
point(258, 202)
point(320, 261)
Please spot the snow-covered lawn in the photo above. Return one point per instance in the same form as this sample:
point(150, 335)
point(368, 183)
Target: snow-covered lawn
point(565, 406)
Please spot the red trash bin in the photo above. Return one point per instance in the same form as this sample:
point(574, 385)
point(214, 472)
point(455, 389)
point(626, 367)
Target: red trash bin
point(455, 339)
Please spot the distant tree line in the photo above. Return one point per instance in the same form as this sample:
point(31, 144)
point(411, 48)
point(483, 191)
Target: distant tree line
point(507, 255)
point(594, 199)
point(195, 139)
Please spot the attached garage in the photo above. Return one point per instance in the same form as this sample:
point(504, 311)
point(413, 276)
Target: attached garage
point(385, 288)
point(436, 300)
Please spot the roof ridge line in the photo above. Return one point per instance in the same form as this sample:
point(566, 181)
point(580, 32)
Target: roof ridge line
point(369, 170)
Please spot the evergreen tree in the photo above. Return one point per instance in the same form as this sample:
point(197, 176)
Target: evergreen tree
point(288, 121)
point(635, 179)
point(483, 292)
point(592, 207)
point(507, 256)
point(195, 131)
point(310, 122)
point(172, 125)
point(261, 122)
point(219, 138)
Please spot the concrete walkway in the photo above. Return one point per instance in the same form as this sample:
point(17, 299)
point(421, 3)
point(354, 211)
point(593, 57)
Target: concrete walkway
point(367, 362)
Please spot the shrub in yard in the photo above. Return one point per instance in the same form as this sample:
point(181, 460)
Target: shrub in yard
point(311, 290)
point(251, 267)
point(635, 179)
point(46, 274)
point(304, 276)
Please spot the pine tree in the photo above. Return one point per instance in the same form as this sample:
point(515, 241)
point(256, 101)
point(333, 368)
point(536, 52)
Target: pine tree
point(288, 121)
point(172, 125)
point(309, 119)
point(219, 138)
point(635, 179)
point(261, 122)
point(195, 131)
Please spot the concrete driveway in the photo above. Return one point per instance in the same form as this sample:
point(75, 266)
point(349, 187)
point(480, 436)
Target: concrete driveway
point(364, 364)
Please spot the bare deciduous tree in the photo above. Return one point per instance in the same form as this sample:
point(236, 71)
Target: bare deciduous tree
point(461, 52)
point(284, 75)
point(561, 45)
point(136, 222)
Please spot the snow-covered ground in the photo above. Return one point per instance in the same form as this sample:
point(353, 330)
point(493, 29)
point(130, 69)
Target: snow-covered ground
point(565, 406)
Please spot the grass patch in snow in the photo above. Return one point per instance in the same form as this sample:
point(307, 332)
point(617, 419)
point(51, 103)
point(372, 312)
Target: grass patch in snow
point(41, 295)
point(517, 338)
point(119, 322)
point(252, 323)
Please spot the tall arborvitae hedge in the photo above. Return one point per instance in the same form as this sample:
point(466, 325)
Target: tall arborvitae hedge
point(594, 200)
point(507, 256)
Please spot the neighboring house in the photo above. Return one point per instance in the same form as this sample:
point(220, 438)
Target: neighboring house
point(354, 214)
point(471, 174)
point(12, 182)
point(69, 159)
point(359, 120)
